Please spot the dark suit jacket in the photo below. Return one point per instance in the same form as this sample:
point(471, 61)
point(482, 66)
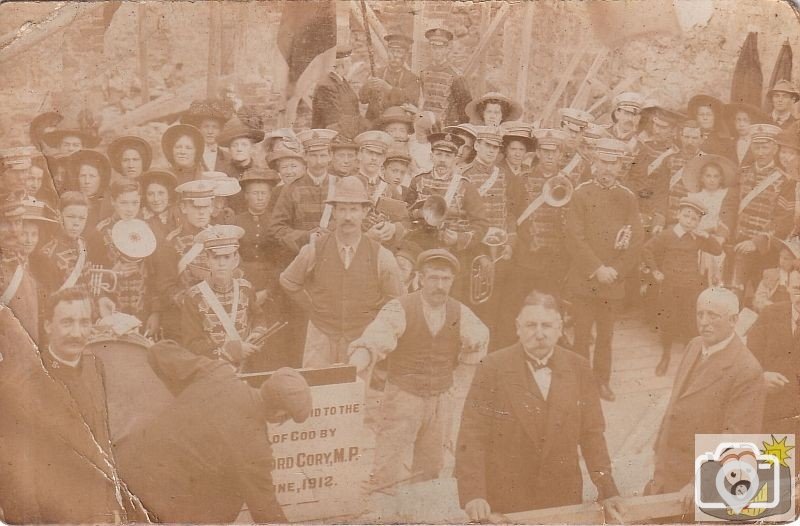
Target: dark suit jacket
point(520, 452)
point(770, 339)
point(405, 89)
point(335, 105)
point(725, 394)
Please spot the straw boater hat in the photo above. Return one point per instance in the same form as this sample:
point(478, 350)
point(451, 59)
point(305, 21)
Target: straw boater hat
point(200, 110)
point(175, 132)
point(133, 238)
point(349, 190)
point(785, 86)
point(236, 129)
point(694, 168)
point(129, 142)
point(511, 109)
point(83, 126)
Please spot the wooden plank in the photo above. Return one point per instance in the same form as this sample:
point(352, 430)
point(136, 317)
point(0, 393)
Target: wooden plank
point(486, 17)
point(636, 509)
point(562, 85)
point(474, 60)
point(626, 83)
point(214, 48)
point(418, 9)
point(378, 31)
point(583, 90)
point(141, 12)
point(59, 19)
point(525, 57)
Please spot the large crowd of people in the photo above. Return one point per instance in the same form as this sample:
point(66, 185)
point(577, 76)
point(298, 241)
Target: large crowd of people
point(426, 243)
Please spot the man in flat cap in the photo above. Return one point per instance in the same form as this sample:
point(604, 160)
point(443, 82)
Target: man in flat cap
point(464, 222)
point(444, 89)
point(395, 84)
point(335, 103)
point(431, 342)
point(341, 279)
point(220, 317)
point(760, 185)
point(207, 455)
point(783, 96)
point(300, 211)
point(604, 238)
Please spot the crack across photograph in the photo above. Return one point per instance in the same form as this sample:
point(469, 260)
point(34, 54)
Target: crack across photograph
point(399, 261)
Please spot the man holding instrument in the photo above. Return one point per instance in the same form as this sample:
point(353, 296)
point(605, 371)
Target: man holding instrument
point(220, 317)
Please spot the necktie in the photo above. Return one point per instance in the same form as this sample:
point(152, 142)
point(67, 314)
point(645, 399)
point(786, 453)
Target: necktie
point(347, 256)
point(536, 363)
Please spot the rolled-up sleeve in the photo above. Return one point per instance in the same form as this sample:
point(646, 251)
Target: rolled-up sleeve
point(380, 337)
point(474, 337)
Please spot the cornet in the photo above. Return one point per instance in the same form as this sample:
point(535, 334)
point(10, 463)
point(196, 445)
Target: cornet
point(102, 280)
point(482, 270)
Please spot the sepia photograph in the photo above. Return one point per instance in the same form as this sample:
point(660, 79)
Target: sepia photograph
point(399, 261)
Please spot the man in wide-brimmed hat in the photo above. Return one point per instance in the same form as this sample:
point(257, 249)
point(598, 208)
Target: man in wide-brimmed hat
point(208, 116)
point(492, 109)
point(393, 85)
point(334, 103)
point(130, 156)
point(783, 96)
point(341, 279)
point(604, 237)
point(760, 186)
point(444, 89)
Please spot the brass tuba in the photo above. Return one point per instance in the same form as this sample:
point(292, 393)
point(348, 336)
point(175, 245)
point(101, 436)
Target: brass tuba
point(481, 283)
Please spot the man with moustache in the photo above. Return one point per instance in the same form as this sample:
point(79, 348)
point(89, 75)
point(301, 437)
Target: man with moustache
point(530, 408)
point(341, 279)
point(300, 212)
point(344, 156)
point(718, 389)
point(395, 84)
point(431, 342)
point(574, 163)
point(604, 238)
point(465, 221)
point(627, 108)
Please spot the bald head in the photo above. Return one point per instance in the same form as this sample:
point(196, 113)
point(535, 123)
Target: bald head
point(717, 312)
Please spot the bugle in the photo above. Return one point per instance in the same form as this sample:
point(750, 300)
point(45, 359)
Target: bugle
point(482, 269)
point(101, 280)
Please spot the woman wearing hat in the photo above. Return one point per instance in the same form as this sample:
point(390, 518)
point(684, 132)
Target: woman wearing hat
point(158, 199)
point(240, 140)
point(738, 118)
point(209, 117)
point(711, 181)
point(707, 111)
point(183, 145)
point(130, 156)
point(91, 172)
point(492, 109)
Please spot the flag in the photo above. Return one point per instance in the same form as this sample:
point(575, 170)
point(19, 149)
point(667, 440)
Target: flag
point(781, 71)
point(307, 29)
point(747, 77)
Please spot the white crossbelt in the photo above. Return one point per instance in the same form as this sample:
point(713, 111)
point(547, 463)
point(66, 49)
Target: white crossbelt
point(452, 188)
point(760, 187)
point(72, 279)
point(489, 182)
point(213, 302)
point(652, 167)
point(379, 189)
point(325, 220)
point(13, 285)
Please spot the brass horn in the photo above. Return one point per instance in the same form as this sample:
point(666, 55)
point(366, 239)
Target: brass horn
point(102, 280)
point(482, 270)
point(557, 191)
point(430, 213)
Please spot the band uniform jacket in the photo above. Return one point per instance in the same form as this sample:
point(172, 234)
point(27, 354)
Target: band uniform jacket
point(519, 451)
point(446, 94)
point(405, 90)
point(207, 453)
point(772, 342)
point(723, 394)
point(335, 106)
point(595, 219)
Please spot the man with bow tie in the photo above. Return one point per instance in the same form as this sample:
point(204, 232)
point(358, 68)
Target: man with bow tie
point(530, 407)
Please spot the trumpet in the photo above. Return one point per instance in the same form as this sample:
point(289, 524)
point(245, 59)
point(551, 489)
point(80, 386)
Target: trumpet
point(102, 280)
point(482, 269)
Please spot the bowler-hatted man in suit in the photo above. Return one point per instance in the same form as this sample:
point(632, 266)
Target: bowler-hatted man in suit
point(773, 338)
point(530, 407)
point(718, 389)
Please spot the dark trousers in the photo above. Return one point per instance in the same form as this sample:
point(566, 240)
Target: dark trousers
point(601, 312)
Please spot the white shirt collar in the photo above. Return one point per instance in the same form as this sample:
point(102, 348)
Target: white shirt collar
point(679, 230)
point(544, 360)
point(708, 351)
point(317, 180)
point(781, 117)
point(69, 363)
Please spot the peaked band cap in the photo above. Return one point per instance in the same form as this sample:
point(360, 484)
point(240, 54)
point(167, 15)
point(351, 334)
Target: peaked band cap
point(629, 100)
point(548, 138)
point(610, 149)
point(375, 140)
point(764, 133)
point(694, 203)
point(439, 36)
point(220, 239)
point(575, 119)
point(316, 138)
point(398, 40)
point(200, 190)
point(439, 254)
point(490, 134)
point(445, 141)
